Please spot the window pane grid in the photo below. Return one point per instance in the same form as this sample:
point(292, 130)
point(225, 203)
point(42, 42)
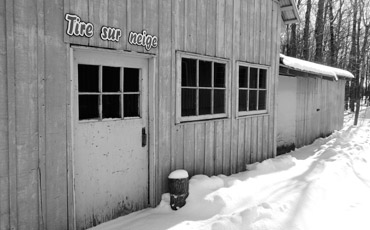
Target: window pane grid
point(253, 93)
point(204, 90)
point(109, 104)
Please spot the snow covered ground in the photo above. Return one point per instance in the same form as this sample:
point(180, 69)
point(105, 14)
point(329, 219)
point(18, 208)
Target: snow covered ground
point(325, 185)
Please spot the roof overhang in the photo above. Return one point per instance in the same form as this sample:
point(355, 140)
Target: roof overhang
point(289, 11)
point(313, 69)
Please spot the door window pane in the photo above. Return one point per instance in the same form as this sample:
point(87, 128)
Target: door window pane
point(88, 107)
point(111, 79)
point(88, 78)
point(131, 105)
point(111, 106)
point(131, 80)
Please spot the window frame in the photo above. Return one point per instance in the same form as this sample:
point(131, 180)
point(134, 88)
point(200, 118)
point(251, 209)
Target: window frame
point(100, 94)
point(258, 66)
point(227, 102)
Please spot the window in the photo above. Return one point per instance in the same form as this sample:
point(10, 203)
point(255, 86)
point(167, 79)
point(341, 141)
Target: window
point(252, 90)
point(202, 84)
point(107, 92)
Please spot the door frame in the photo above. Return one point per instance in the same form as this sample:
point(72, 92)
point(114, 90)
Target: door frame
point(152, 70)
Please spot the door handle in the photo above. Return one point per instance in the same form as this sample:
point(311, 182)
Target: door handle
point(143, 137)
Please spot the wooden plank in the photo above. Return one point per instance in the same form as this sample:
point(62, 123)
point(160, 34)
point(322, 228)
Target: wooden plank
point(251, 15)
point(41, 111)
point(177, 137)
point(199, 148)
point(229, 28)
point(220, 28)
point(262, 32)
point(257, 29)
point(219, 145)
point(247, 142)
point(201, 26)
point(211, 28)
point(117, 18)
point(189, 148)
point(273, 80)
point(150, 21)
point(209, 168)
point(268, 32)
point(259, 138)
point(226, 148)
point(26, 88)
point(4, 134)
point(164, 81)
point(244, 37)
point(136, 22)
point(11, 221)
point(178, 148)
point(234, 122)
point(80, 8)
point(241, 147)
point(179, 24)
point(191, 25)
point(265, 138)
point(234, 146)
point(254, 140)
point(98, 17)
point(55, 115)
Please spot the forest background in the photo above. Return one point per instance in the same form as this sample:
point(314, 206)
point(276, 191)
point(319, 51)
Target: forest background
point(334, 33)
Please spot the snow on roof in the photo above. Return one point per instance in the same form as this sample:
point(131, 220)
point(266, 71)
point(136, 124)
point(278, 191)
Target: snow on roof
point(314, 68)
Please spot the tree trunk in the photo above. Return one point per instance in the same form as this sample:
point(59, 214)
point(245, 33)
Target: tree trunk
point(319, 31)
point(306, 33)
point(363, 71)
point(352, 57)
point(333, 47)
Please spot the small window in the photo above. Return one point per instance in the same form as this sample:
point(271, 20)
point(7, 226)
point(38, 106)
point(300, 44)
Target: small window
point(202, 82)
point(107, 92)
point(252, 91)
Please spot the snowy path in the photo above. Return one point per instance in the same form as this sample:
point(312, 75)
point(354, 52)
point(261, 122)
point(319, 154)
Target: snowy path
point(325, 185)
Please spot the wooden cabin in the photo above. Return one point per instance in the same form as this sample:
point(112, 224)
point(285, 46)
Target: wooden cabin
point(101, 99)
point(310, 100)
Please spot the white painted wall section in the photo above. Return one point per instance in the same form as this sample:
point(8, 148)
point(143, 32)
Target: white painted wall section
point(287, 101)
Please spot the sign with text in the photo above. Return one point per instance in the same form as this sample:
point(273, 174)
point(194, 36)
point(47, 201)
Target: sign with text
point(77, 27)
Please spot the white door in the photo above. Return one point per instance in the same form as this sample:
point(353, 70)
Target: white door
point(110, 120)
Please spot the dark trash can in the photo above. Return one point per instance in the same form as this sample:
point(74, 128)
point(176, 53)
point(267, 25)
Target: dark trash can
point(178, 185)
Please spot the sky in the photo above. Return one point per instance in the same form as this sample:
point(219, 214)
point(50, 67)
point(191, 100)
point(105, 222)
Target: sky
point(325, 185)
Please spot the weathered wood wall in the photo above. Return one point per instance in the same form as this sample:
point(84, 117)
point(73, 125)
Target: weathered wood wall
point(33, 82)
point(35, 93)
point(313, 94)
point(239, 30)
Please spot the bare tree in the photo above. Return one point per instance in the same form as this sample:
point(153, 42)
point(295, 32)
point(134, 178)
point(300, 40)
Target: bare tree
point(306, 33)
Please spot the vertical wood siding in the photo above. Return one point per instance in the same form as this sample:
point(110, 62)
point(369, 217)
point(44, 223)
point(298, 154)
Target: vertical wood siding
point(314, 94)
point(33, 63)
point(35, 88)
